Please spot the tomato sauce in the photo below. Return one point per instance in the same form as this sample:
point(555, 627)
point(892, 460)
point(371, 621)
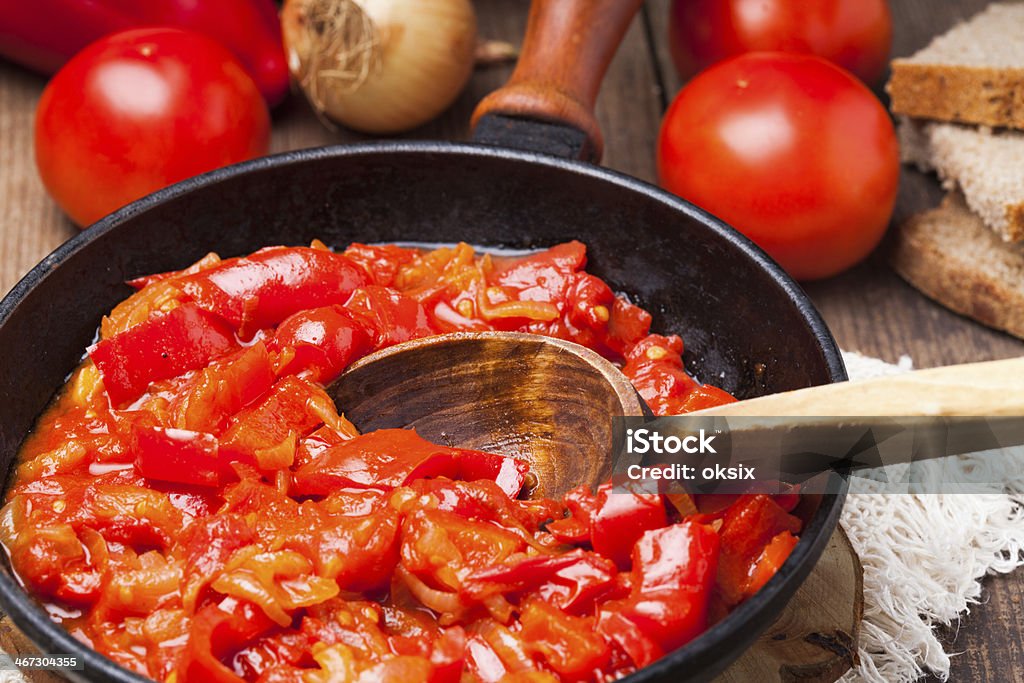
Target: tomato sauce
point(194, 507)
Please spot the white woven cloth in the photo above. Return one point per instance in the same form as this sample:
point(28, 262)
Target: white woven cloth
point(924, 556)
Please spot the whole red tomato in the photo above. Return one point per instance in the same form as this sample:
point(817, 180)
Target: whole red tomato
point(792, 151)
point(855, 34)
point(139, 110)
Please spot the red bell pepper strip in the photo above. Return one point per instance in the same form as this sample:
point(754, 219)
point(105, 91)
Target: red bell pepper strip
point(507, 472)
point(217, 632)
point(288, 408)
point(394, 318)
point(324, 342)
point(263, 289)
point(621, 519)
point(386, 458)
point(673, 574)
point(164, 346)
point(772, 557)
point(44, 34)
point(747, 527)
point(177, 455)
point(568, 644)
point(380, 261)
point(575, 528)
point(522, 575)
point(571, 581)
point(226, 386)
point(543, 276)
point(616, 628)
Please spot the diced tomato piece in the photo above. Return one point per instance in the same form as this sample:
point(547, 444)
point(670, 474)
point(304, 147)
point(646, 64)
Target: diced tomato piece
point(164, 346)
point(386, 458)
point(393, 318)
point(323, 341)
point(208, 545)
point(655, 367)
point(621, 518)
point(53, 561)
point(358, 552)
point(263, 289)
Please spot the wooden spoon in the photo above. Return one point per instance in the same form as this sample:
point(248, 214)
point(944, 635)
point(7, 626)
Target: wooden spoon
point(866, 424)
point(550, 402)
point(545, 400)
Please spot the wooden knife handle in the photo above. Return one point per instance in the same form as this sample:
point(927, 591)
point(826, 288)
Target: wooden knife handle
point(994, 388)
point(565, 54)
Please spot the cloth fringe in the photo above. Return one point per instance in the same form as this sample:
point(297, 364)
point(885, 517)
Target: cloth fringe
point(924, 555)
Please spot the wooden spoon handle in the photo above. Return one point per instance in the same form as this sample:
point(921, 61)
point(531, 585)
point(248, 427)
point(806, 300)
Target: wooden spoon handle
point(566, 51)
point(994, 388)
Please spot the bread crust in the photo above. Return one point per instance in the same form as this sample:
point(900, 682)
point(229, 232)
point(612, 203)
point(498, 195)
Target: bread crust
point(985, 96)
point(927, 253)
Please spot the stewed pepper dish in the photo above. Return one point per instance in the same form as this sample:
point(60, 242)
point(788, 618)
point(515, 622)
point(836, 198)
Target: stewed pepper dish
point(195, 507)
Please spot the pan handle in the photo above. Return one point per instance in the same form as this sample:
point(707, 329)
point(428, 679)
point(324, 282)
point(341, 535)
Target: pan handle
point(565, 54)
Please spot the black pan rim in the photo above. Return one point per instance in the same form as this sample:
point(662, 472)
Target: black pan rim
point(703, 652)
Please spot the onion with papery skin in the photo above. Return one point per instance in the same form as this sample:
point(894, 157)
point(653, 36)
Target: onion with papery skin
point(380, 66)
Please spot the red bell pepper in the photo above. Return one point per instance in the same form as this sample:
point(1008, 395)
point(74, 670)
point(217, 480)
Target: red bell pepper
point(771, 558)
point(263, 289)
point(507, 472)
point(568, 644)
point(324, 342)
point(288, 409)
point(621, 519)
point(218, 631)
point(575, 529)
point(571, 581)
point(380, 261)
point(394, 318)
point(44, 34)
point(225, 387)
point(748, 526)
point(673, 574)
point(178, 455)
point(386, 458)
point(164, 346)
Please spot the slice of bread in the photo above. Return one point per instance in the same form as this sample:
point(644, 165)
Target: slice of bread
point(987, 166)
point(949, 255)
point(974, 73)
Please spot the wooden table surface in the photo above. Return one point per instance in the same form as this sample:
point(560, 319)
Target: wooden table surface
point(868, 308)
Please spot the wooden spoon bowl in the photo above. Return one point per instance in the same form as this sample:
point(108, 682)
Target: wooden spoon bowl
point(544, 400)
